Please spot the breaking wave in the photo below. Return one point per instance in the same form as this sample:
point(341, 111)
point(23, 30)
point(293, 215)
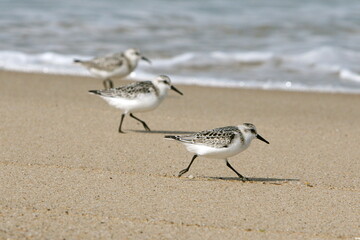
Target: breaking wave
point(329, 69)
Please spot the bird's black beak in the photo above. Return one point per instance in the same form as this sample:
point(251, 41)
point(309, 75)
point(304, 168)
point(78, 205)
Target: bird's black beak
point(175, 89)
point(262, 139)
point(145, 59)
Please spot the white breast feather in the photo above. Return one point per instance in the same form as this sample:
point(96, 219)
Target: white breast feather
point(210, 152)
point(143, 103)
point(121, 72)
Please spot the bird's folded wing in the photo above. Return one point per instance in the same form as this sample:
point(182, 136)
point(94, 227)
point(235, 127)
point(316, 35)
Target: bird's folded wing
point(218, 138)
point(129, 91)
point(108, 63)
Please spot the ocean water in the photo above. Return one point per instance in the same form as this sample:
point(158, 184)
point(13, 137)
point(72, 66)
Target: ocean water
point(309, 45)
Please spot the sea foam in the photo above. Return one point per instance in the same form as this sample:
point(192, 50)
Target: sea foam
point(196, 68)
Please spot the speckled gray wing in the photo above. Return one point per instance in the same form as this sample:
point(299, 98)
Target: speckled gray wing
point(130, 91)
point(217, 138)
point(107, 63)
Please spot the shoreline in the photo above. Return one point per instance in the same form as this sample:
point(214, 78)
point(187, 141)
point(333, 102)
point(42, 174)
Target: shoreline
point(67, 173)
point(234, 86)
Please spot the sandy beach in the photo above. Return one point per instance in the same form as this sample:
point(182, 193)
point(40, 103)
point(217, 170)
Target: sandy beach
point(66, 173)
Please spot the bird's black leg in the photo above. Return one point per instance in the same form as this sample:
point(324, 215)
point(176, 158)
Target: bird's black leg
point(240, 176)
point(111, 85)
point(121, 122)
point(106, 82)
point(143, 123)
point(187, 169)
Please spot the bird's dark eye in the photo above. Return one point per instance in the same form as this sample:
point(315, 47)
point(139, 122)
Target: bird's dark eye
point(166, 82)
point(253, 131)
point(137, 53)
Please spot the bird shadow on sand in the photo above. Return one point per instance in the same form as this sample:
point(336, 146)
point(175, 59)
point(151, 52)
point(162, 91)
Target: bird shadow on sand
point(162, 132)
point(250, 179)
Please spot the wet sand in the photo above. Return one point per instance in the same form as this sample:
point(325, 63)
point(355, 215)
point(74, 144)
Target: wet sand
point(66, 173)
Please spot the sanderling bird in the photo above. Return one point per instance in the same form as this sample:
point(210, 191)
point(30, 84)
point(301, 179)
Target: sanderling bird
point(137, 97)
point(118, 64)
point(219, 143)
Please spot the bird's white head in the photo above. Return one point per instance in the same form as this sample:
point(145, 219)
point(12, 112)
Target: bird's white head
point(249, 132)
point(134, 56)
point(163, 83)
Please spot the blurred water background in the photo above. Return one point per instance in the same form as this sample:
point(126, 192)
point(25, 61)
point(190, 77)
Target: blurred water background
point(309, 45)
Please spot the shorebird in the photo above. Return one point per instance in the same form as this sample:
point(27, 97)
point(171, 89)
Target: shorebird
point(137, 97)
point(219, 143)
point(118, 64)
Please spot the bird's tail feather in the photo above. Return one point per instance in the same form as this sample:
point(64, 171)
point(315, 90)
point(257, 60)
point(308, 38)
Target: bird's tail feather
point(95, 92)
point(171, 137)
